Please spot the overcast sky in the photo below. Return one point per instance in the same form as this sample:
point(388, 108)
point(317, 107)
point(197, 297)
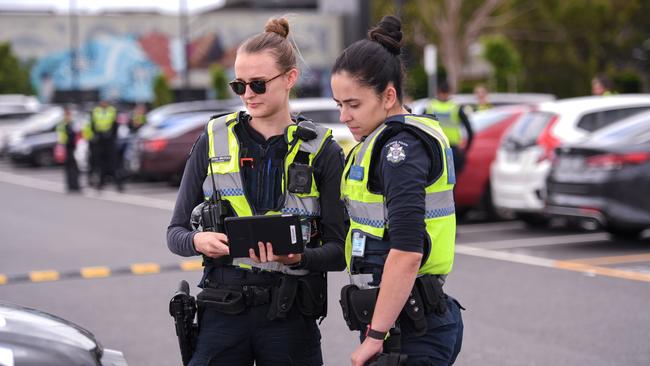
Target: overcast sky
point(166, 6)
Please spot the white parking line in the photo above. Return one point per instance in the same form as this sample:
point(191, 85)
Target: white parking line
point(481, 228)
point(103, 195)
point(537, 241)
point(505, 256)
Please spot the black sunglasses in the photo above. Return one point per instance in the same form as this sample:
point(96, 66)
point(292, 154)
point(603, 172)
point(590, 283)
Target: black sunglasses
point(257, 86)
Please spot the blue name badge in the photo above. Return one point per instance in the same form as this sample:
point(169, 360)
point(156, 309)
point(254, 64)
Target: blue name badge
point(356, 172)
point(358, 244)
point(451, 172)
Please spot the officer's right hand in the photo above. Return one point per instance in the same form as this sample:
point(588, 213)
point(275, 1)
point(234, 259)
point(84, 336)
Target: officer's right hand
point(211, 244)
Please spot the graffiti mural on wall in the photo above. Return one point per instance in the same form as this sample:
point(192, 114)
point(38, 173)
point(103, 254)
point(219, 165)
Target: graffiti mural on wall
point(120, 56)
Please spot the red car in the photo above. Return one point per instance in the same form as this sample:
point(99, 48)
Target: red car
point(473, 184)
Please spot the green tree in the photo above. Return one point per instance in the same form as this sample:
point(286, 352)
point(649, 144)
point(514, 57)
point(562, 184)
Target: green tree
point(505, 61)
point(14, 76)
point(219, 81)
point(162, 93)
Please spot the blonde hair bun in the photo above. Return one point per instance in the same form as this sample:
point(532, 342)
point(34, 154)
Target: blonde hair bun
point(278, 26)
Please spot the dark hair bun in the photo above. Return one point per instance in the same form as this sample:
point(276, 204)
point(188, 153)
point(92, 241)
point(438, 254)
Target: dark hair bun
point(388, 33)
point(277, 25)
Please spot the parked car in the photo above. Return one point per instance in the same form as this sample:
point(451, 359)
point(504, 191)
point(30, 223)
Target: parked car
point(161, 113)
point(496, 99)
point(14, 110)
point(35, 338)
point(605, 178)
point(473, 184)
point(523, 162)
point(160, 149)
point(34, 141)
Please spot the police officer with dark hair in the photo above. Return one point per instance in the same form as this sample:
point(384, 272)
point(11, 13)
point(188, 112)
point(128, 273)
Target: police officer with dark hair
point(398, 188)
point(103, 127)
point(263, 309)
point(67, 138)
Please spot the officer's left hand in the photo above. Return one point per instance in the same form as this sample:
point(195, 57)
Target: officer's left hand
point(266, 255)
point(366, 350)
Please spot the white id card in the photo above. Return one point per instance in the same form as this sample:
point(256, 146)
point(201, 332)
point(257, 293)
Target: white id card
point(358, 244)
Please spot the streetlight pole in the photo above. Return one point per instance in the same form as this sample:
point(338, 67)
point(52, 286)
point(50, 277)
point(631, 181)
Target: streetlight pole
point(74, 40)
point(184, 31)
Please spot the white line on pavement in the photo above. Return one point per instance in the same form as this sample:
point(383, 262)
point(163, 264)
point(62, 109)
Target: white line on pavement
point(103, 195)
point(539, 241)
point(505, 256)
point(481, 228)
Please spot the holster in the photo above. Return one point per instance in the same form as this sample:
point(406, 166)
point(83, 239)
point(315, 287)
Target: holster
point(223, 300)
point(388, 359)
point(283, 297)
point(358, 306)
point(182, 307)
point(311, 296)
point(434, 298)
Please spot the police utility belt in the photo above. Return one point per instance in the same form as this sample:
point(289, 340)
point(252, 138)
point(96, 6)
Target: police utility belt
point(426, 297)
point(308, 293)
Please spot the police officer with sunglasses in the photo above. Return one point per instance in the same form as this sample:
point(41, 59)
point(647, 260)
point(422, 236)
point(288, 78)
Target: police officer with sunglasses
point(263, 309)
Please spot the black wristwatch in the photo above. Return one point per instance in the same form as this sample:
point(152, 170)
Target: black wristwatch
point(375, 334)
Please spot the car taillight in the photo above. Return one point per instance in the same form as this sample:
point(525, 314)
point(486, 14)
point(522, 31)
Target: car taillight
point(548, 141)
point(154, 145)
point(615, 161)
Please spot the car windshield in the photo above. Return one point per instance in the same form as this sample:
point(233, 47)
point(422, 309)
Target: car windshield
point(322, 116)
point(528, 127)
point(634, 130)
point(484, 119)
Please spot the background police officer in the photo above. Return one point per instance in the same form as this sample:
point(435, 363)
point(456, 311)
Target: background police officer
point(67, 138)
point(397, 186)
point(103, 126)
point(452, 119)
point(251, 157)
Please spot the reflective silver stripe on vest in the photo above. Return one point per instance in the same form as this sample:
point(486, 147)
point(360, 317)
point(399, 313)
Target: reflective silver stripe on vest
point(313, 145)
point(229, 184)
point(270, 266)
point(370, 214)
point(305, 206)
point(437, 204)
point(366, 143)
point(220, 136)
point(428, 129)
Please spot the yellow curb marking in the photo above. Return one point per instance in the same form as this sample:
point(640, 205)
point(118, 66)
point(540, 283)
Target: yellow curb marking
point(603, 271)
point(43, 276)
point(95, 272)
point(145, 268)
point(614, 259)
point(3, 279)
point(191, 265)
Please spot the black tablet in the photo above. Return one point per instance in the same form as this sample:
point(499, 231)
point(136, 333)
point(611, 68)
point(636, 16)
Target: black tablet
point(283, 231)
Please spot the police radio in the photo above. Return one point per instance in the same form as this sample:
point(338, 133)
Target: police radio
point(215, 210)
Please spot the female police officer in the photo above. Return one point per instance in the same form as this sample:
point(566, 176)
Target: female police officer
point(397, 186)
point(263, 312)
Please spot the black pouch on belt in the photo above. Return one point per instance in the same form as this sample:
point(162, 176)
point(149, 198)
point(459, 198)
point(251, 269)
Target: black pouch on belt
point(282, 297)
point(358, 306)
point(226, 301)
point(412, 318)
point(311, 297)
point(433, 296)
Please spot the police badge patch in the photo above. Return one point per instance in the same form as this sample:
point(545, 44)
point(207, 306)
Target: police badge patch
point(396, 153)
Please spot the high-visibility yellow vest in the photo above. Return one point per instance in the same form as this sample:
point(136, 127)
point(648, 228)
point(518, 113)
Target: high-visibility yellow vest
point(367, 210)
point(61, 133)
point(103, 118)
point(224, 166)
point(447, 114)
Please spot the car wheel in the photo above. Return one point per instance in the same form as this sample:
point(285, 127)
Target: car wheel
point(44, 158)
point(532, 219)
point(621, 232)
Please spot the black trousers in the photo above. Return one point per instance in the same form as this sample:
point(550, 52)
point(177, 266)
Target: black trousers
point(71, 171)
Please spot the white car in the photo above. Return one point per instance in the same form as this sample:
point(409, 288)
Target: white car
point(324, 112)
point(523, 160)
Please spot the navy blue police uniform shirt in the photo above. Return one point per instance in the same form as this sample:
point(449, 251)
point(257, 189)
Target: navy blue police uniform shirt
point(263, 186)
point(401, 173)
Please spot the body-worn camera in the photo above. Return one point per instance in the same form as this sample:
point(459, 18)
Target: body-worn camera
point(300, 176)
